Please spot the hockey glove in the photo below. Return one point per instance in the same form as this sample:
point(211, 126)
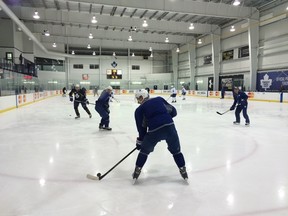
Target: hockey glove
point(87, 102)
point(138, 144)
point(71, 99)
point(232, 108)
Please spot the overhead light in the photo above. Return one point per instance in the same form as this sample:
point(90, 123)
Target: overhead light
point(36, 15)
point(94, 53)
point(46, 33)
point(114, 54)
point(167, 40)
point(199, 41)
point(232, 29)
point(151, 55)
point(145, 24)
point(133, 54)
point(130, 38)
point(90, 36)
point(93, 20)
point(177, 50)
point(150, 49)
point(236, 2)
point(88, 46)
point(54, 45)
point(19, 29)
point(73, 53)
point(191, 27)
point(287, 8)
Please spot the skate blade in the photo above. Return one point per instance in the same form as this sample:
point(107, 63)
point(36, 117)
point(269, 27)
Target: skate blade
point(92, 177)
point(134, 181)
point(186, 181)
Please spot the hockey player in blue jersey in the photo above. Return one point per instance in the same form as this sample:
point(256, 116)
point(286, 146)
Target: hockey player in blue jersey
point(102, 107)
point(79, 97)
point(240, 99)
point(154, 123)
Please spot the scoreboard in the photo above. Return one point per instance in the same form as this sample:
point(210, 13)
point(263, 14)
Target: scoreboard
point(114, 74)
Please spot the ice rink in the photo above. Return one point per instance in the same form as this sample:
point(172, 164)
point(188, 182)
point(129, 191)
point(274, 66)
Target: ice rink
point(45, 155)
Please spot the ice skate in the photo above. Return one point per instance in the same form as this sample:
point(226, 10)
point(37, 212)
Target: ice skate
point(136, 174)
point(90, 116)
point(247, 124)
point(107, 128)
point(236, 123)
point(100, 126)
point(77, 117)
point(183, 173)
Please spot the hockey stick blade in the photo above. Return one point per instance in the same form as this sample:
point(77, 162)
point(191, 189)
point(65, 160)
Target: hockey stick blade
point(92, 177)
point(219, 113)
point(222, 113)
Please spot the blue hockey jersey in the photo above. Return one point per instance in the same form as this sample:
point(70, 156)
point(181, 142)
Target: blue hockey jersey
point(153, 114)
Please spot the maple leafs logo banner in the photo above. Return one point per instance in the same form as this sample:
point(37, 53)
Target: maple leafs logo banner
point(272, 81)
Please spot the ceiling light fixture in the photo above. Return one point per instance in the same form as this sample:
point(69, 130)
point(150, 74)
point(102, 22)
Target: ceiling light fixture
point(232, 29)
point(236, 3)
point(166, 40)
point(88, 46)
point(133, 54)
point(93, 20)
point(36, 15)
point(199, 41)
point(287, 8)
point(73, 53)
point(90, 36)
point(54, 45)
point(130, 38)
point(151, 55)
point(145, 24)
point(150, 49)
point(177, 50)
point(46, 33)
point(114, 54)
point(191, 27)
point(94, 53)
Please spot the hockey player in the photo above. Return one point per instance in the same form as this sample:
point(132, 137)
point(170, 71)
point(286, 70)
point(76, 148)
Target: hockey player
point(64, 91)
point(240, 99)
point(173, 94)
point(183, 93)
point(154, 123)
point(79, 97)
point(102, 107)
point(148, 90)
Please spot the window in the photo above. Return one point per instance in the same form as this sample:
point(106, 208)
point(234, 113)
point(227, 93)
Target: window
point(243, 52)
point(78, 66)
point(207, 59)
point(94, 66)
point(227, 55)
point(135, 67)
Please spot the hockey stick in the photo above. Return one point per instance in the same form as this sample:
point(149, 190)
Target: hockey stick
point(223, 112)
point(99, 176)
point(84, 102)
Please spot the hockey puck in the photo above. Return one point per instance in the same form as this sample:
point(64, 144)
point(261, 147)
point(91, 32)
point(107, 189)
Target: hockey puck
point(99, 175)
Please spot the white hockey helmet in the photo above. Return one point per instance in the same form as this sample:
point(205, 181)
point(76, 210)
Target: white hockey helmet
point(77, 86)
point(109, 88)
point(141, 92)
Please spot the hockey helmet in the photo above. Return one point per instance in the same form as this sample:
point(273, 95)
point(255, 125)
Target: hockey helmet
point(141, 92)
point(77, 86)
point(109, 88)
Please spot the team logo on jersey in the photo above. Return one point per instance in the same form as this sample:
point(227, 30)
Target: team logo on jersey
point(77, 96)
point(266, 82)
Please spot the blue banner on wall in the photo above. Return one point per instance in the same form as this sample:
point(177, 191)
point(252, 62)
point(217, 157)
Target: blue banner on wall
point(272, 80)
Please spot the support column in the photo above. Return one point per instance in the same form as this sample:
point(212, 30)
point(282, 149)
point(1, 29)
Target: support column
point(192, 63)
point(216, 48)
point(253, 38)
point(175, 68)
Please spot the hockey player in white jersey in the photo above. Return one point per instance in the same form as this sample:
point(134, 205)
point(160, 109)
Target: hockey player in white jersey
point(173, 94)
point(183, 92)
